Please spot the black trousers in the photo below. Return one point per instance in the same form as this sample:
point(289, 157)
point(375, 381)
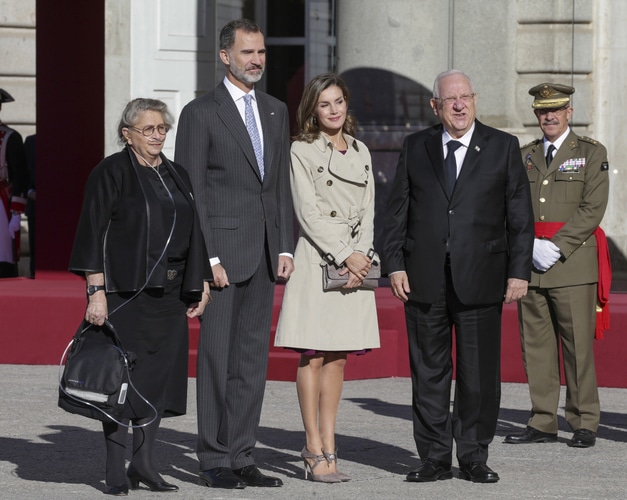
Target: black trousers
point(477, 386)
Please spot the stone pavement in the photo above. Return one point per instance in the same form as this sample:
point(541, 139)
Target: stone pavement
point(46, 453)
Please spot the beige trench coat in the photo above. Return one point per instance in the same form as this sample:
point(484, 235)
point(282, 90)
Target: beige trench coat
point(333, 197)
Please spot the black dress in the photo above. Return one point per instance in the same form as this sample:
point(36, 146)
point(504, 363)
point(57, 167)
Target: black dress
point(129, 217)
point(153, 325)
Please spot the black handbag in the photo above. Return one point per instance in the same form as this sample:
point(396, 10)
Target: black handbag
point(96, 375)
point(332, 280)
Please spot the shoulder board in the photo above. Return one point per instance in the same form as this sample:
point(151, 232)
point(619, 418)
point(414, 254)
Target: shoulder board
point(532, 143)
point(589, 140)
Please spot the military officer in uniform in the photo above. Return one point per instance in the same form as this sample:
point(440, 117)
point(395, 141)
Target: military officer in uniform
point(13, 187)
point(568, 176)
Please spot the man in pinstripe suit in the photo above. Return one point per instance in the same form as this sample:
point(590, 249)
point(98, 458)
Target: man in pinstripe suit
point(246, 217)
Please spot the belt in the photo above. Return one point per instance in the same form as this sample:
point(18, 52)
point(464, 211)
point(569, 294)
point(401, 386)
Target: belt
point(550, 229)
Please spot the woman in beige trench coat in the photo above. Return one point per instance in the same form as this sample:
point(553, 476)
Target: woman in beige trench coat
point(333, 191)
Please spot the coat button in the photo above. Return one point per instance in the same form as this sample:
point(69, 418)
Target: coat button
point(545, 182)
point(542, 200)
point(329, 183)
point(333, 213)
point(451, 212)
point(320, 169)
point(542, 217)
point(367, 167)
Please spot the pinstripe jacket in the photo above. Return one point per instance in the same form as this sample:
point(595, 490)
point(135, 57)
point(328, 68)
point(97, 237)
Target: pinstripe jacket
point(238, 210)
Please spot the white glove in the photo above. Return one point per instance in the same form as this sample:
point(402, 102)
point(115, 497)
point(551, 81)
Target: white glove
point(545, 254)
point(14, 224)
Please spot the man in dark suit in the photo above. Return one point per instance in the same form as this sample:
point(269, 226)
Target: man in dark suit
point(458, 242)
point(234, 141)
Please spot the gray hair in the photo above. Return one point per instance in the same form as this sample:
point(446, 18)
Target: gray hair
point(444, 74)
point(227, 35)
point(140, 105)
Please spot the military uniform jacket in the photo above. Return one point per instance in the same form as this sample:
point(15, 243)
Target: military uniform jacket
point(573, 190)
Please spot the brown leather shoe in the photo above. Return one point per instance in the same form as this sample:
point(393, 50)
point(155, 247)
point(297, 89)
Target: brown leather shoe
point(583, 438)
point(430, 470)
point(530, 435)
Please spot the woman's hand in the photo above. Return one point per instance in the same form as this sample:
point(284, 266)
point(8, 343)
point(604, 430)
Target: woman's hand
point(97, 310)
point(357, 265)
point(196, 309)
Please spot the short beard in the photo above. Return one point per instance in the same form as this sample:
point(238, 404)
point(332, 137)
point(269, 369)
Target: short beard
point(245, 77)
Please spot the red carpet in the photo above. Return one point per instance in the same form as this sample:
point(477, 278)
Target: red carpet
point(38, 318)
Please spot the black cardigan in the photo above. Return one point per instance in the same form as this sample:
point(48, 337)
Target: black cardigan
point(117, 234)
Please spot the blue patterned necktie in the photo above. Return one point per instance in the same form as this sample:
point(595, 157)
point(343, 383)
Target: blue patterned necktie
point(450, 165)
point(253, 132)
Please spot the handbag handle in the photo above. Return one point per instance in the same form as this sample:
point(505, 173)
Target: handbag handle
point(82, 329)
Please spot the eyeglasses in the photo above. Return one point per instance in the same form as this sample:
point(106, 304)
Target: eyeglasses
point(449, 101)
point(149, 130)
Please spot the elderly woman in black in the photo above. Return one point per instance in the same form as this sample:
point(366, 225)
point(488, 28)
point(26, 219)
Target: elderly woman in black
point(140, 247)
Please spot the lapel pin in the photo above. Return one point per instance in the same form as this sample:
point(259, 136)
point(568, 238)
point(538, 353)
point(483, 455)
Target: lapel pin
point(477, 149)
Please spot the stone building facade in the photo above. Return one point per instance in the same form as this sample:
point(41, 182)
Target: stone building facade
point(389, 52)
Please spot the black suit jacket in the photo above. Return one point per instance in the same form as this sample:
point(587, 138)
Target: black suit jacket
point(488, 219)
point(238, 211)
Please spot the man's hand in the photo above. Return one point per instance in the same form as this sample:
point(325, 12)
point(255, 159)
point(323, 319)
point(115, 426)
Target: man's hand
point(220, 278)
point(400, 285)
point(516, 289)
point(545, 254)
point(286, 266)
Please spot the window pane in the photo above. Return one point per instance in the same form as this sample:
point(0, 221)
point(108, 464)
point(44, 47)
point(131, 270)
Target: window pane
point(286, 18)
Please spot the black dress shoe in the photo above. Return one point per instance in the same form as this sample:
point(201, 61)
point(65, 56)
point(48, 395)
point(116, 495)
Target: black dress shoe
point(117, 491)
point(430, 470)
point(583, 438)
point(135, 478)
point(478, 472)
point(252, 476)
point(531, 435)
point(220, 477)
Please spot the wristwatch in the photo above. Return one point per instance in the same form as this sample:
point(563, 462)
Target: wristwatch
point(91, 289)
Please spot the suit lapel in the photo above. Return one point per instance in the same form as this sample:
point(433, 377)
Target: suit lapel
point(267, 115)
point(537, 158)
point(435, 152)
point(475, 148)
point(229, 114)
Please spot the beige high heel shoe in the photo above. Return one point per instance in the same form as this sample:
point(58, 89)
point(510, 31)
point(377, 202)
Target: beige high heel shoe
point(332, 457)
point(306, 455)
